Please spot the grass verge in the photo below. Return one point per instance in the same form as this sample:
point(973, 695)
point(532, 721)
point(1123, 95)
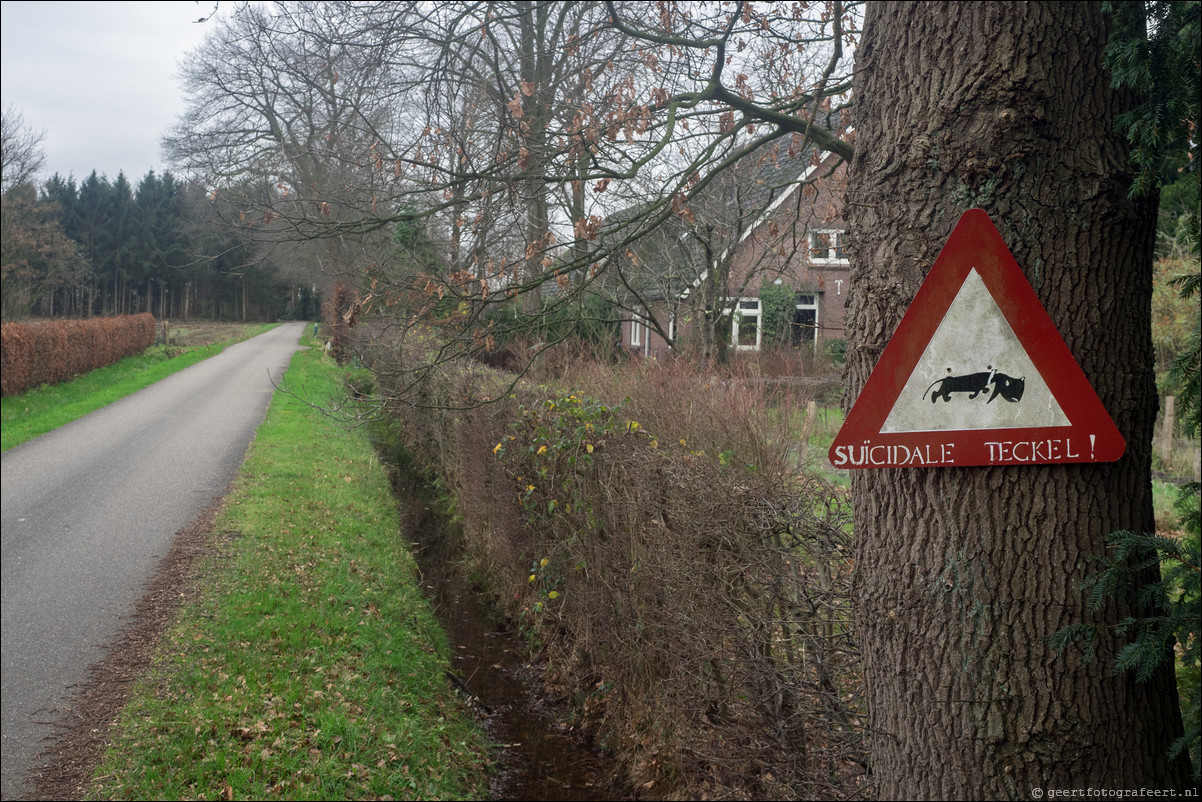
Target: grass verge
point(32, 414)
point(310, 666)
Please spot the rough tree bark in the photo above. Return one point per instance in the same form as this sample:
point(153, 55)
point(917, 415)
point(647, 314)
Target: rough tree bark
point(963, 573)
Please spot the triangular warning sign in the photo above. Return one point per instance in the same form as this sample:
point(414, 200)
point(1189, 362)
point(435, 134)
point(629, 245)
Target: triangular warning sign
point(976, 374)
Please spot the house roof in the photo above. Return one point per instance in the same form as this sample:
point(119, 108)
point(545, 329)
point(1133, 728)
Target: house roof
point(672, 258)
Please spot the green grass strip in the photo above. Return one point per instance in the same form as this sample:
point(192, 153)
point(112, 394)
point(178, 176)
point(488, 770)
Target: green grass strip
point(44, 409)
point(310, 666)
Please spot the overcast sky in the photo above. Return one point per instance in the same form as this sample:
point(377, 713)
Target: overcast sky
point(99, 78)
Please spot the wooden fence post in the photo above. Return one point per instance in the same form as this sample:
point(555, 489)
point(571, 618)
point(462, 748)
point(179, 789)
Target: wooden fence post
point(806, 428)
point(1166, 434)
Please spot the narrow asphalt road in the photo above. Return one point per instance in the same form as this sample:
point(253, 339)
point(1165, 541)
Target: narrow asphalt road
point(91, 508)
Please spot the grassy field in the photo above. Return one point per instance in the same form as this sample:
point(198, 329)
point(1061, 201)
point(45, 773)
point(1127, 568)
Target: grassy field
point(826, 424)
point(311, 667)
point(29, 415)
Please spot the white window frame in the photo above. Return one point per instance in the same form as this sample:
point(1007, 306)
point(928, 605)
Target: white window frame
point(636, 330)
point(836, 246)
point(742, 319)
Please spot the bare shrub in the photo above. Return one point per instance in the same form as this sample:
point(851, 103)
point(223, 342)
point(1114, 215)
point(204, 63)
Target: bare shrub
point(682, 587)
point(790, 362)
point(340, 312)
point(731, 414)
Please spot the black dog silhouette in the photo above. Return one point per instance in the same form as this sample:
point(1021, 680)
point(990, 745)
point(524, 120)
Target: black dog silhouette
point(974, 384)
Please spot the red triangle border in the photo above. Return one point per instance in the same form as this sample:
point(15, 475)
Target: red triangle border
point(1091, 435)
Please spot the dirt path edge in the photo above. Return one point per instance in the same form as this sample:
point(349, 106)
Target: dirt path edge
point(65, 766)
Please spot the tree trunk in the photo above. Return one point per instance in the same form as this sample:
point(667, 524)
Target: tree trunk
point(963, 573)
point(534, 76)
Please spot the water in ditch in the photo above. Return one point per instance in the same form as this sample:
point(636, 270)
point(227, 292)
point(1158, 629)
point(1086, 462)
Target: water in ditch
point(538, 757)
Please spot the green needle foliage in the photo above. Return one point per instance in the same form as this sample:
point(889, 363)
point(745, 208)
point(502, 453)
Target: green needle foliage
point(1184, 372)
point(1167, 620)
point(1155, 49)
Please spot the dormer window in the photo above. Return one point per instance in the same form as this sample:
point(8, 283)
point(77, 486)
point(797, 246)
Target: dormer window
point(826, 247)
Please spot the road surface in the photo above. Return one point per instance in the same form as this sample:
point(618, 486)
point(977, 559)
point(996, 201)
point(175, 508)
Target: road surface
point(91, 508)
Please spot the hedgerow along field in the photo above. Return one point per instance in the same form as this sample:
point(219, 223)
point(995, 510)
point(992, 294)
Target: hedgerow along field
point(47, 407)
point(54, 351)
point(678, 576)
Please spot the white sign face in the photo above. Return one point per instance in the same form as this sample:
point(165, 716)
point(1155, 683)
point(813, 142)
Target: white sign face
point(974, 374)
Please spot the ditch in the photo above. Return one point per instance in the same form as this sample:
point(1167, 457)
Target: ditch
point(537, 756)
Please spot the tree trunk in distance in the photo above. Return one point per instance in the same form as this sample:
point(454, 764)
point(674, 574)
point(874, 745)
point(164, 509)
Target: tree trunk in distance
point(963, 573)
point(1166, 434)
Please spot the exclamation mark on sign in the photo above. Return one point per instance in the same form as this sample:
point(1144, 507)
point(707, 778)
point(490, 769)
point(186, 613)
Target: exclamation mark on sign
point(1091, 442)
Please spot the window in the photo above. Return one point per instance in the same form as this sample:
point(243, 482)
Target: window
point(636, 330)
point(826, 247)
point(745, 330)
point(803, 329)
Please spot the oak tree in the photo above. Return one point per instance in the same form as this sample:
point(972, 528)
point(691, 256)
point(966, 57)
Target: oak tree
point(963, 574)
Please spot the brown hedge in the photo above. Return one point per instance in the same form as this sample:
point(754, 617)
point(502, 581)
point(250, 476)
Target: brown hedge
point(340, 311)
point(696, 611)
point(53, 351)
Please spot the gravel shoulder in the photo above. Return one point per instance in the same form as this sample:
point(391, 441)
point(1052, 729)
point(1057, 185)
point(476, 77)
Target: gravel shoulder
point(64, 768)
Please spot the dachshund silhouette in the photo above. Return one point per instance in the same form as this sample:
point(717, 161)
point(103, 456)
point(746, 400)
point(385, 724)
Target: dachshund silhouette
point(974, 384)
